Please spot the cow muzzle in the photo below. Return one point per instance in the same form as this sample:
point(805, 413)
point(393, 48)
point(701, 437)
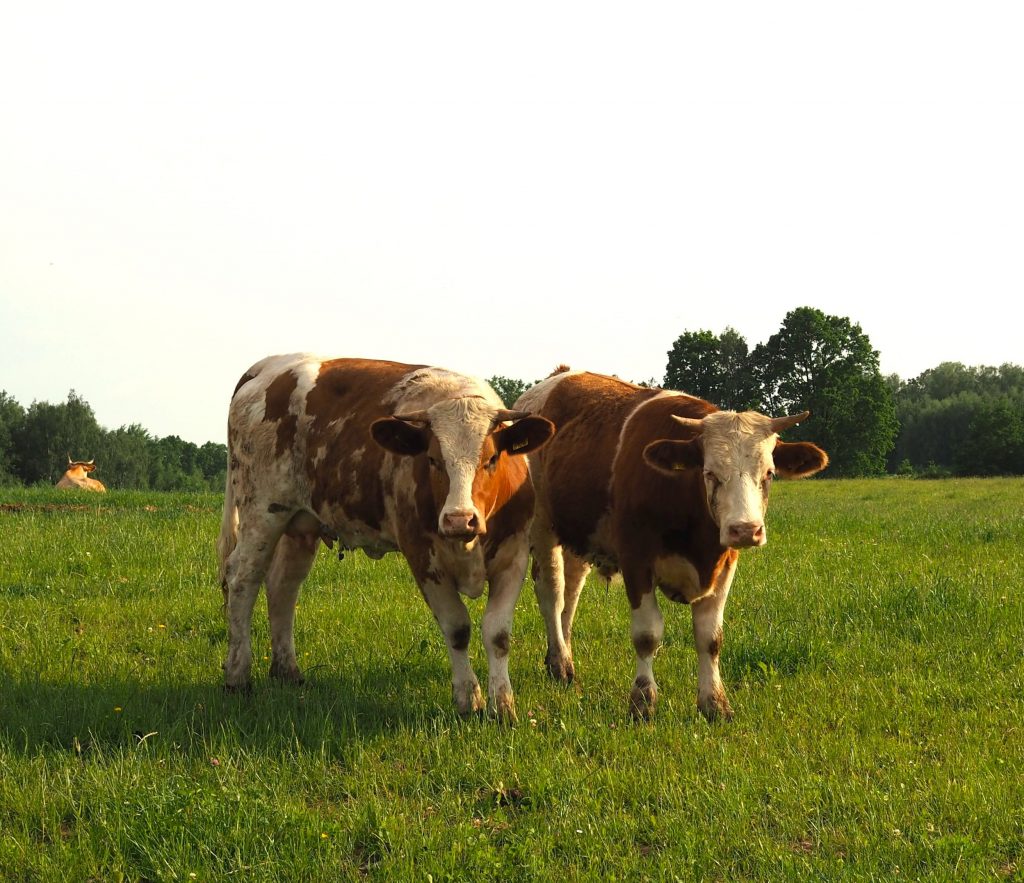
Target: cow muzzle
point(462, 524)
point(744, 535)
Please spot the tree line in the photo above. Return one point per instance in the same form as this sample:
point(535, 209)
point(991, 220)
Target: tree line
point(951, 420)
point(36, 442)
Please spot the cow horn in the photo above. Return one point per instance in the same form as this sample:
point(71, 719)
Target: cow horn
point(414, 417)
point(90, 462)
point(511, 416)
point(70, 461)
point(689, 423)
point(781, 423)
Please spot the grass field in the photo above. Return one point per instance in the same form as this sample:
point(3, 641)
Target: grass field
point(874, 654)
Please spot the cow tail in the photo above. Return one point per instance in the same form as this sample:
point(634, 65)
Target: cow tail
point(228, 537)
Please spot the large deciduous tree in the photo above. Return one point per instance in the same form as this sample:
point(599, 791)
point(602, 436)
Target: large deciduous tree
point(12, 416)
point(826, 364)
point(508, 388)
point(50, 434)
point(716, 368)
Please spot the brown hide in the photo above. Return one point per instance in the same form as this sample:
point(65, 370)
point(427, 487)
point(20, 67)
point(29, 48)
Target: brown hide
point(588, 410)
point(351, 477)
point(582, 477)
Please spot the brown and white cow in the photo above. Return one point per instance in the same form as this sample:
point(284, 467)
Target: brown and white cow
point(77, 476)
point(662, 487)
point(384, 457)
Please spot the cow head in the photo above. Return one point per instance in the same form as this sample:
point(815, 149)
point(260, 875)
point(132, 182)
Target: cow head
point(740, 455)
point(466, 442)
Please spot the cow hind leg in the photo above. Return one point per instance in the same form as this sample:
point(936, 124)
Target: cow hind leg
point(244, 572)
point(549, 587)
point(292, 562)
point(453, 618)
point(576, 571)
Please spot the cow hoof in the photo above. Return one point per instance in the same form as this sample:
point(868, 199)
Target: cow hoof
point(560, 669)
point(286, 674)
point(504, 709)
point(470, 701)
point(715, 707)
point(642, 699)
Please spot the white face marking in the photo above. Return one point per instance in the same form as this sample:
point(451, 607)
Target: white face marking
point(737, 465)
point(460, 426)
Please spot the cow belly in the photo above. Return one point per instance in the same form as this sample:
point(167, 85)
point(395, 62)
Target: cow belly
point(678, 578)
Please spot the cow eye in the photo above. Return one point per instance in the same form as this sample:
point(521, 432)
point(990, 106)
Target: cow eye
point(494, 460)
point(711, 477)
point(436, 464)
point(770, 477)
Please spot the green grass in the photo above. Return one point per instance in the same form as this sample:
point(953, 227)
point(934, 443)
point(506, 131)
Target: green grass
point(874, 654)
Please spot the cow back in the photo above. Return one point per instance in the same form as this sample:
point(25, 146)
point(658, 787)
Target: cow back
point(574, 470)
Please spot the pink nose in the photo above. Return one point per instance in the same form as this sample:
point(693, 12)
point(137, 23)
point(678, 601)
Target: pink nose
point(745, 534)
point(460, 523)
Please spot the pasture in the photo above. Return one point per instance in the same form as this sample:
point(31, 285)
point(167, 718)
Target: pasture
point(874, 654)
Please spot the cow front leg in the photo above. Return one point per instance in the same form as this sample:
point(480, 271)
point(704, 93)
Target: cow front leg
point(647, 630)
point(453, 618)
point(712, 701)
point(549, 587)
point(505, 581)
point(291, 565)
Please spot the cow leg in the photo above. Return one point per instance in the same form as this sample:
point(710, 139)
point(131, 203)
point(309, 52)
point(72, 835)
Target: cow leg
point(647, 629)
point(707, 635)
point(549, 587)
point(291, 565)
point(246, 568)
point(576, 570)
point(453, 618)
point(505, 581)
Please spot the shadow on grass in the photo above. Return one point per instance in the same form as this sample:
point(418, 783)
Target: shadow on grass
point(331, 710)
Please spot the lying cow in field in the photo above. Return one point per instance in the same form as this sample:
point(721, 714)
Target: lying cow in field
point(77, 476)
point(662, 487)
point(384, 457)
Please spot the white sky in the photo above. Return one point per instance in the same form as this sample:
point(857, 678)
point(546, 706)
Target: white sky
point(186, 188)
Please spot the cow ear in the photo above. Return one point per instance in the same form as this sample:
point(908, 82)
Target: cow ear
point(669, 455)
point(399, 437)
point(525, 435)
point(798, 459)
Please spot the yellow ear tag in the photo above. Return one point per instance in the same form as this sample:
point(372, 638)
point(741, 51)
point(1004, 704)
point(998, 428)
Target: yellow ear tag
point(518, 446)
point(678, 467)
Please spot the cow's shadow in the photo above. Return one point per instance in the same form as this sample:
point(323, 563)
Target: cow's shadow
point(326, 714)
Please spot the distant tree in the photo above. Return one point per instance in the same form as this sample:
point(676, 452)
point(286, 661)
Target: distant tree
point(959, 419)
point(508, 388)
point(716, 368)
point(212, 459)
point(49, 434)
point(826, 364)
point(12, 416)
point(994, 444)
point(124, 456)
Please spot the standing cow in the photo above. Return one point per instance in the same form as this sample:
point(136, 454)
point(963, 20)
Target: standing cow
point(662, 487)
point(383, 457)
point(77, 477)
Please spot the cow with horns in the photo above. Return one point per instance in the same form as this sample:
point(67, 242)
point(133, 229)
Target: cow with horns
point(77, 477)
point(662, 487)
point(384, 457)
